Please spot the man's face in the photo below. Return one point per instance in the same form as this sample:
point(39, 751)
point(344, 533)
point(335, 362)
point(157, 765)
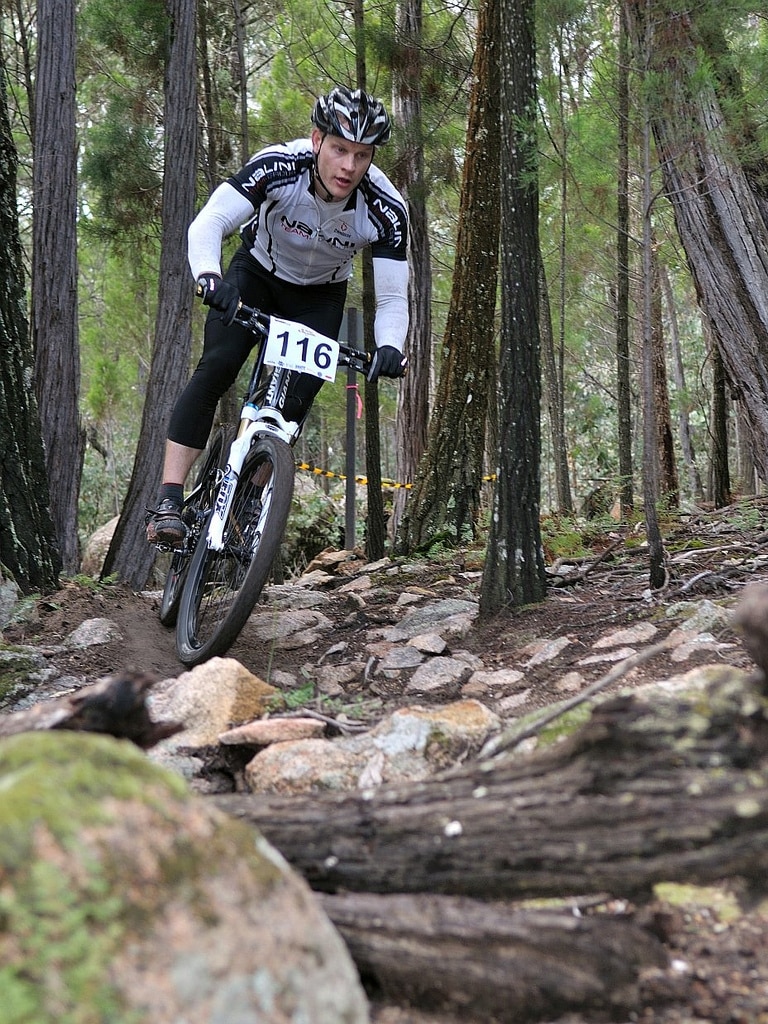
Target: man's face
point(341, 165)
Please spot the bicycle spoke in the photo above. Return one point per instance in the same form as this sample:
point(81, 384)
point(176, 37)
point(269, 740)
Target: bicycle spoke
point(226, 584)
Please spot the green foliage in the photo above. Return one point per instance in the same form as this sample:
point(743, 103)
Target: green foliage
point(123, 164)
point(562, 538)
point(135, 30)
point(316, 522)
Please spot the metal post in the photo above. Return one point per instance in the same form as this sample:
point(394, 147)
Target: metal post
point(349, 518)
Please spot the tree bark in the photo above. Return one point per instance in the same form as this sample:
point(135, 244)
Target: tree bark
point(445, 499)
point(695, 488)
point(643, 793)
point(129, 554)
point(717, 202)
point(54, 270)
point(720, 488)
point(28, 548)
point(488, 961)
point(553, 390)
point(409, 176)
point(115, 706)
point(669, 486)
point(623, 364)
point(514, 562)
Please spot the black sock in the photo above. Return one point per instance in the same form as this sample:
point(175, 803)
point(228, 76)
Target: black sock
point(173, 491)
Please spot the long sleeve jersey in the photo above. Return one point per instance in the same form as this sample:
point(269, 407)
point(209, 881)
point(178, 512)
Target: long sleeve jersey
point(304, 240)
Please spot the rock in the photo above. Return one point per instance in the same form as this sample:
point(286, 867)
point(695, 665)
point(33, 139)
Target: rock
point(639, 632)
point(208, 700)
point(272, 730)
point(333, 679)
point(127, 898)
point(22, 669)
point(412, 743)
point(93, 632)
point(438, 736)
point(541, 651)
point(304, 766)
point(448, 616)
point(289, 630)
point(398, 658)
point(429, 643)
point(96, 547)
point(10, 595)
point(439, 677)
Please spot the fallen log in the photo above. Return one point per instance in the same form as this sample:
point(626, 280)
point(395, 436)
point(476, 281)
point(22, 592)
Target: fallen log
point(115, 705)
point(487, 961)
point(643, 793)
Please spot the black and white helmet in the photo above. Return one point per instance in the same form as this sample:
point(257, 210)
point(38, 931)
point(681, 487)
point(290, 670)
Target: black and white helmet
point(354, 115)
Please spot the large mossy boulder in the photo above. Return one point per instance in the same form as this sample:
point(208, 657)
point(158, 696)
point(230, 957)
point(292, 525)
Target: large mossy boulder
point(125, 898)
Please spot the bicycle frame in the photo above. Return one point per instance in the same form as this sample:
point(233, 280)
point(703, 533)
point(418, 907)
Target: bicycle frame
point(257, 421)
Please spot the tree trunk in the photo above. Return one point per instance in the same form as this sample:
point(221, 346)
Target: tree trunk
point(486, 961)
point(375, 526)
point(623, 365)
point(514, 564)
point(721, 478)
point(445, 499)
point(54, 270)
point(643, 793)
point(669, 486)
point(715, 199)
point(129, 554)
point(413, 394)
point(651, 476)
point(553, 390)
point(686, 441)
point(27, 538)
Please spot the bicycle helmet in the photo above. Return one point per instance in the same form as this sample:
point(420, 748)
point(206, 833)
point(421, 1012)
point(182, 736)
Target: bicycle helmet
point(354, 115)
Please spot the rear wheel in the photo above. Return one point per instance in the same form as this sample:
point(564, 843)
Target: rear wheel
point(195, 513)
point(223, 586)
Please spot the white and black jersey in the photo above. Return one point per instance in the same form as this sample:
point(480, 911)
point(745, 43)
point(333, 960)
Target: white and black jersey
point(304, 240)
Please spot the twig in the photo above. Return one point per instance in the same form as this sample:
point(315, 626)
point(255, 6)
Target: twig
point(327, 719)
point(511, 738)
point(567, 581)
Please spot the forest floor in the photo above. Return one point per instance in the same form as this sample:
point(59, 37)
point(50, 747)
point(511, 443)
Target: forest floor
point(721, 950)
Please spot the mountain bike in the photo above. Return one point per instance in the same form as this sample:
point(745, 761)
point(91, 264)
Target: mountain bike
point(237, 510)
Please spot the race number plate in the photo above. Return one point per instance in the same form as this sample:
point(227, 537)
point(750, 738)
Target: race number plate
point(292, 346)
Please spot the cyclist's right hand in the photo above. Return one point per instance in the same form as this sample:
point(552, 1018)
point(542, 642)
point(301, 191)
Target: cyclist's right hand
point(218, 294)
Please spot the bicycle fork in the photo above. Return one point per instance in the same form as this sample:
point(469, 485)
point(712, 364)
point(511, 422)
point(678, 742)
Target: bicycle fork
point(255, 421)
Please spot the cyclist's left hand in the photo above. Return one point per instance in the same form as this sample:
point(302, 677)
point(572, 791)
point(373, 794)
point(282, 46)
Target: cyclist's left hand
point(387, 362)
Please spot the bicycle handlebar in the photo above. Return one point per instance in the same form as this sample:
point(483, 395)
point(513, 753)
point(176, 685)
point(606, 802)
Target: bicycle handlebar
point(258, 322)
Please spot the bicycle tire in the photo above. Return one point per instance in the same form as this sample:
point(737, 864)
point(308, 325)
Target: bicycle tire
point(195, 515)
point(222, 587)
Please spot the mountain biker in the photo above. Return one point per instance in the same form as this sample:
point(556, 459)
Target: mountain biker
point(304, 209)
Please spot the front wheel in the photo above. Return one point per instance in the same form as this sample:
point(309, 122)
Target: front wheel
point(222, 587)
point(195, 515)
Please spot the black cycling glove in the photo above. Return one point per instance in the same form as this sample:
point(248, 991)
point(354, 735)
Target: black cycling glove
point(220, 295)
point(387, 362)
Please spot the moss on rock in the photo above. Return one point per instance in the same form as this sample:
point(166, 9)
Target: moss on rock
point(119, 888)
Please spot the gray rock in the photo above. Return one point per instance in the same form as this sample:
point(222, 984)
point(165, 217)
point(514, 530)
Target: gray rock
point(436, 617)
point(127, 894)
point(439, 677)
